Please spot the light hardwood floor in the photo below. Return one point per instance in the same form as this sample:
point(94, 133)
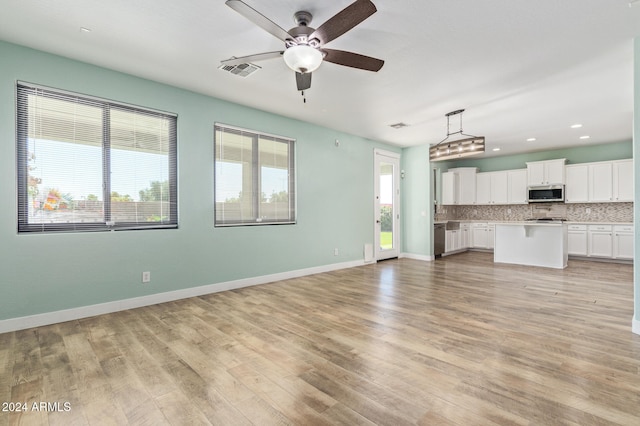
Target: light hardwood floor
point(458, 341)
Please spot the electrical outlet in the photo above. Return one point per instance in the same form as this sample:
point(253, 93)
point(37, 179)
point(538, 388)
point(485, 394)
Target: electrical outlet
point(336, 252)
point(146, 277)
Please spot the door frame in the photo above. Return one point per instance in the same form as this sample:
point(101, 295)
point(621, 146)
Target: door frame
point(394, 158)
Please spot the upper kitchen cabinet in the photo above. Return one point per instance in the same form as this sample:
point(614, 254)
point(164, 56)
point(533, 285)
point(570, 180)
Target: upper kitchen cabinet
point(492, 188)
point(623, 180)
point(546, 172)
point(517, 182)
point(577, 183)
point(459, 186)
point(600, 182)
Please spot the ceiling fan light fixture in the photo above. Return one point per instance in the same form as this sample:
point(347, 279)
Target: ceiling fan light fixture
point(302, 58)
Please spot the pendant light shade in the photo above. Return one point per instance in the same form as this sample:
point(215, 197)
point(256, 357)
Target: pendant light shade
point(302, 58)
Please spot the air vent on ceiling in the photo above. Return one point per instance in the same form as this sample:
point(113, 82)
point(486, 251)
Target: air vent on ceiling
point(241, 70)
point(398, 125)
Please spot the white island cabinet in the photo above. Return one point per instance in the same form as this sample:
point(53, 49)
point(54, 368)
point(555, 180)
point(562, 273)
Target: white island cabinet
point(531, 243)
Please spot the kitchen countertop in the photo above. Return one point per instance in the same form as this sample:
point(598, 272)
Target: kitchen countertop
point(568, 222)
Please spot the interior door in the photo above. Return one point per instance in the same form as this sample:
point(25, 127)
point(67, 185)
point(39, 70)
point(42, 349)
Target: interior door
point(387, 205)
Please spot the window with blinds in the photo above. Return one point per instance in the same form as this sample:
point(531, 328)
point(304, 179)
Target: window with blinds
point(88, 164)
point(254, 178)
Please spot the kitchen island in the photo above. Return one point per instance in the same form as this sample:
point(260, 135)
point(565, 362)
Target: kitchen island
point(531, 243)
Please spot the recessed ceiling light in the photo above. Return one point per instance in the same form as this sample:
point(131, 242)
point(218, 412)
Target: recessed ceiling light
point(85, 30)
point(576, 126)
point(585, 137)
point(496, 149)
point(531, 140)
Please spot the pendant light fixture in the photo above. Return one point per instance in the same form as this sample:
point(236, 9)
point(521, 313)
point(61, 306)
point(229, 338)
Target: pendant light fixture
point(453, 149)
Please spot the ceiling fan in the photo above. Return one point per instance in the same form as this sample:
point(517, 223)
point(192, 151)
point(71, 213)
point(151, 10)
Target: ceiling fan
point(304, 46)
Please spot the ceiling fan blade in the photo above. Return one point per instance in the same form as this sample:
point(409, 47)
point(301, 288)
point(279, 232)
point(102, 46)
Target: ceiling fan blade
point(303, 81)
point(344, 20)
point(353, 60)
point(259, 19)
point(252, 58)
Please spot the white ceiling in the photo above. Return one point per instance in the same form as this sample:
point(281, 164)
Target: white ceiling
point(521, 69)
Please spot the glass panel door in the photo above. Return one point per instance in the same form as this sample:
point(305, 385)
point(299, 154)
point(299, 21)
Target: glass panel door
point(387, 213)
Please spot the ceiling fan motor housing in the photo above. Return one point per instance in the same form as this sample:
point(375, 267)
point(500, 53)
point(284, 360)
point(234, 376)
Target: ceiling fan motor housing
point(303, 18)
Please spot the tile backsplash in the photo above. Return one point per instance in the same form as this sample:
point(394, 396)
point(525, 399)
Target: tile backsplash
point(587, 212)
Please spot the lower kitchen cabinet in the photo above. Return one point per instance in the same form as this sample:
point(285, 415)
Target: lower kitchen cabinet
point(452, 241)
point(457, 239)
point(600, 240)
point(607, 241)
point(577, 240)
point(465, 236)
point(623, 242)
point(482, 235)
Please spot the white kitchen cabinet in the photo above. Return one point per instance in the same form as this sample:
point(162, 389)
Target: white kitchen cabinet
point(577, 239)
point(517, 186)
point(491, 239)
point(623, 242)
point(449, 188)
point(492, 188)
point(452, 241)
point(483, 188)
point(466, 185)
point(546, 172)
point(600, 240)
point(457, 239)
point(459, 186)
point(479, 235)
point(499, 187)
point(577, 183)
point(465, 236)
point(601, 182)
point(623, 180)
point(482, 235)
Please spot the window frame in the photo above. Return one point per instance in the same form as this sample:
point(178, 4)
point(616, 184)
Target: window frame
point(255, 166)
point(23, 90)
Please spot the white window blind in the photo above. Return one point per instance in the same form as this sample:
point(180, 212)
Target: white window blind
point(91, 164)
point(254, 178)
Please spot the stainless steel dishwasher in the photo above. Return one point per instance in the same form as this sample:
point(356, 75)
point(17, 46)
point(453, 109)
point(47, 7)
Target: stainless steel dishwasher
point(438, 238)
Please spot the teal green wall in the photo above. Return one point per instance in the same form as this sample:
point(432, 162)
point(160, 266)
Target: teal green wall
point(417, 204)
point(50, 272)
point(636, 176)
point(582, 154)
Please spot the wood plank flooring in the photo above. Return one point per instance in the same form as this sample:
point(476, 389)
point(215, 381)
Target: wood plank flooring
point(458, 341)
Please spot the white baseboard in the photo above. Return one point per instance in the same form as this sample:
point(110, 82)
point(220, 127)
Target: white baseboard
point(48, 318)
point(635, 326)
point(417, 257)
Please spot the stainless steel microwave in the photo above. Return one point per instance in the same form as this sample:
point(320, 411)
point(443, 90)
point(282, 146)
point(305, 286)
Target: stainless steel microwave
point(546, 194)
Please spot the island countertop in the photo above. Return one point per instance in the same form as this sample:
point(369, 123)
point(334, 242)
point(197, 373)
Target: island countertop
point(532, 243)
